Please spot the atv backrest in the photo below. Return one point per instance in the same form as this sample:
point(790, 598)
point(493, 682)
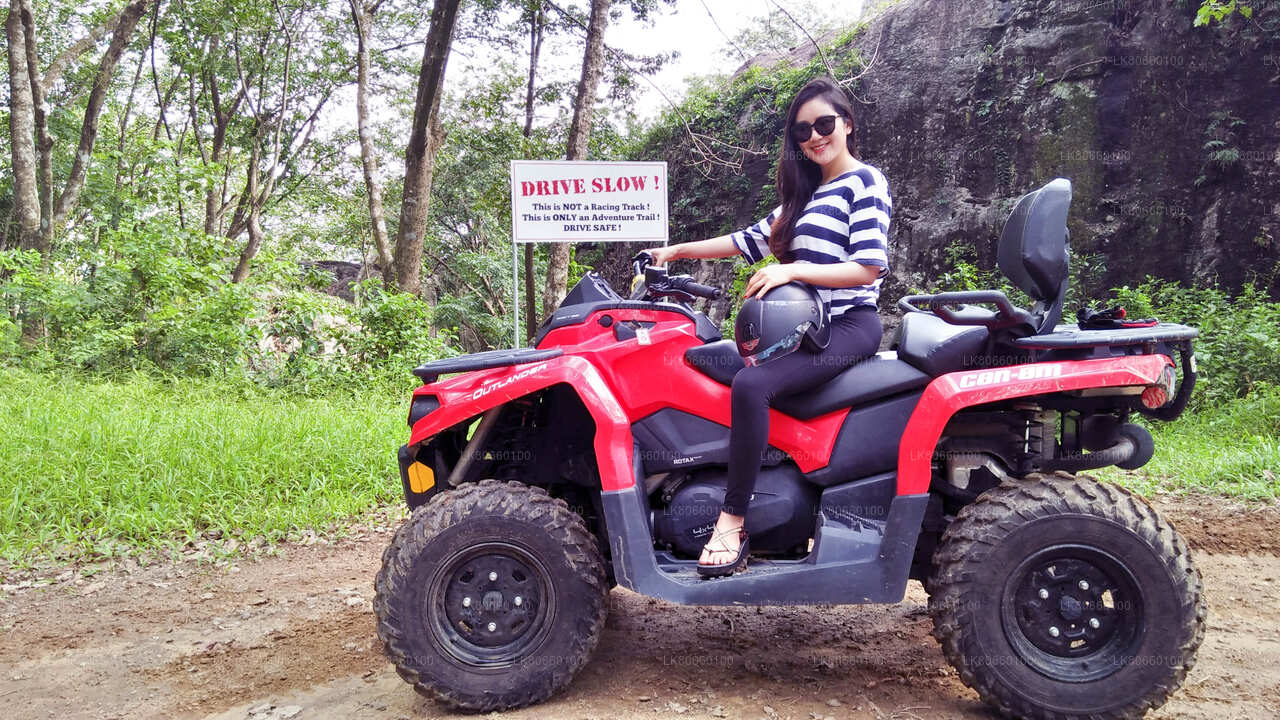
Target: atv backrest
point(1033, 250)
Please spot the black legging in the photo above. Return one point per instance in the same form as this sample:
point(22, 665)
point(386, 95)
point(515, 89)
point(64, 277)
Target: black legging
point(855, 335)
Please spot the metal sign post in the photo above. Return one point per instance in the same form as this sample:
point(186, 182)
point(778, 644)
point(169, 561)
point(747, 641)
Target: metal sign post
point(515, 287)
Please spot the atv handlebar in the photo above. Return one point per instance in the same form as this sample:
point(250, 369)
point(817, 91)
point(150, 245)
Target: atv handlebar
point(658, 283)
point(686, 283)
point(640, 263)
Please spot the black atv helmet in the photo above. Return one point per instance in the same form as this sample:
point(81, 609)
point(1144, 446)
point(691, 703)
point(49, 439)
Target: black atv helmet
point(787, 317)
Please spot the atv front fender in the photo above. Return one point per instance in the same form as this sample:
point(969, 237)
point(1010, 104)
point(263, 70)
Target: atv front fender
point(469, 395)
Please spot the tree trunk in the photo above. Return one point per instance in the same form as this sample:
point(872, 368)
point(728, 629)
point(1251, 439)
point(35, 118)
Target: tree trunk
point(537, 22)
point(6, 234)
point(80, 47)
point(424, 141)
point(20, 33)
point(363, 18)
point(70, 196)
point(254, 212)
point(26, 201)
point(579, 133)
point(44, 143)
point(39, 216)
point(215, 192)
point(120, 146)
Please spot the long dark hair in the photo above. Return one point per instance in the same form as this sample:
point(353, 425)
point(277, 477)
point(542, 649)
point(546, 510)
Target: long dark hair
point(797, 174)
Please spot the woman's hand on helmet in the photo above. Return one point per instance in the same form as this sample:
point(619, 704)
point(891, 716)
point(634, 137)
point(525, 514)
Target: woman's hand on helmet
point(768, 278)
point(661, 255)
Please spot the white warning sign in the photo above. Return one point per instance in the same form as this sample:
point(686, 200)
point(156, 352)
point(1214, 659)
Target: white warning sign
point(563, 201)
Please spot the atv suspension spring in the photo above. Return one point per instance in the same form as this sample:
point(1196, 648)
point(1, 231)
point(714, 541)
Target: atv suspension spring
point(510, 452)
point(511, 456)
point(1040, 424)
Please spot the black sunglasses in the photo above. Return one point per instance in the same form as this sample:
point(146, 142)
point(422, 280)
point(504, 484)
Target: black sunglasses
point(802, 131)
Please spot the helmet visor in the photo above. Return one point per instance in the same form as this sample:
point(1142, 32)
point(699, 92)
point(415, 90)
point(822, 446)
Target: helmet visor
point(784, 346)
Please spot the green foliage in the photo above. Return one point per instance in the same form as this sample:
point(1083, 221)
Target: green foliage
point(742, 272)
point(716, 140)
point(776, 33)
point(9, 333)
point(392, 334)
point(1084, 281)
point(1212, 11)
point(297, 326)
point(1222, 156)
point(101, 469)
point(576, 268)
point(964, 273)
point(167, 316)
point(1230, 449)
point(1238, 351)
point(204, 334)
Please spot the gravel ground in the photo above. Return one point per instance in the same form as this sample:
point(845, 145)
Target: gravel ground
point(291, 635)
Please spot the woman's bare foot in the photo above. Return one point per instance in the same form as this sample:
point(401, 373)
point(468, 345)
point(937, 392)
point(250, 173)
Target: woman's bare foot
point(724, 543)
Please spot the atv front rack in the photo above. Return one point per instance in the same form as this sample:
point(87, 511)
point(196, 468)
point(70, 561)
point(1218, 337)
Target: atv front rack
point(430, 372)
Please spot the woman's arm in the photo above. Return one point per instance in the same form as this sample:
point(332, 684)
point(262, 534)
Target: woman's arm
point(752, 243)
point(838, 275)
point(716, 247)
point(835, 275)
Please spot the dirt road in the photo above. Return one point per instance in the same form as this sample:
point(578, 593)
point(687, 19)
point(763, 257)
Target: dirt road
point(292, 636)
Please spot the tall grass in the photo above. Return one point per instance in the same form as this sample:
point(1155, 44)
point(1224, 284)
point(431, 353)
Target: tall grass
point(94, 468)
point(97, 468)
point(1232, 449)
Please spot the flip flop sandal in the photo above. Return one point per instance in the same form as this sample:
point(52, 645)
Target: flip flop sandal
point(722, 569)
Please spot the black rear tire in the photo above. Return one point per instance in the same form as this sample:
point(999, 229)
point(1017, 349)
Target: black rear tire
point(491, 597)
point(1061, 597)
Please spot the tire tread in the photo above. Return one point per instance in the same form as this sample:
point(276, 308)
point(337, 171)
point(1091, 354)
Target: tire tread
point(979, 528)
point(490, 498)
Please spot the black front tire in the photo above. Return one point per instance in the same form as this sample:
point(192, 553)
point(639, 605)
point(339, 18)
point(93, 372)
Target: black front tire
point(1061, 597)
point(491, 597)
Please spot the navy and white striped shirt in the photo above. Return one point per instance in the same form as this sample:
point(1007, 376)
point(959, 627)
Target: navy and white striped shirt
point(846, 219)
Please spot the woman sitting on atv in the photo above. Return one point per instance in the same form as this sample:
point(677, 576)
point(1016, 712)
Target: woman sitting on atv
point(829, 232)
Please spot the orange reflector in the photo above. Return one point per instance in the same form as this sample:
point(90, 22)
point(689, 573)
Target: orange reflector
point(1158, 395)
point(421, 478)
point(1154, 397)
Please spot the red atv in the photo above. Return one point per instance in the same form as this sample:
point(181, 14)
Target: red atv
point(541, 477)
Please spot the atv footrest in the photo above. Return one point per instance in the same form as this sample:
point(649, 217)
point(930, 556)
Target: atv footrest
point(850, 562)
point(686, 571)
point(852, 548)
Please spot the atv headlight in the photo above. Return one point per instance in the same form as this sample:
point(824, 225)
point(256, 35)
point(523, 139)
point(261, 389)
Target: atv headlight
point(422, 406)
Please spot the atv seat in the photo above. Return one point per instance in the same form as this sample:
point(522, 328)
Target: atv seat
point(936, 347)
point(719, 361)
point(1033, 253)
point(879, 376)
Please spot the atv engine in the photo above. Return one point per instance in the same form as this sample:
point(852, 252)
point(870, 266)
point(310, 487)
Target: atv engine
point(780, 517)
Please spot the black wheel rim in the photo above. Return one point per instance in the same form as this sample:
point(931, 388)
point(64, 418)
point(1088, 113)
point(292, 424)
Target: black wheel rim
point(1074, 613)
point(490, 605)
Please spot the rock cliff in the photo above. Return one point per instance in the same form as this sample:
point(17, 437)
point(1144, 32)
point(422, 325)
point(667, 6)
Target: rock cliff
point(1169, 133)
